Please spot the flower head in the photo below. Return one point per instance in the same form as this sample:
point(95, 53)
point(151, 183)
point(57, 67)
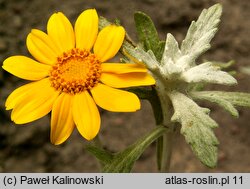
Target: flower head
point(70, 77)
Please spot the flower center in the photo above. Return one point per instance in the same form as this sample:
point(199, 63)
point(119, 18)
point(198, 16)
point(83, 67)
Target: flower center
point(75, 71)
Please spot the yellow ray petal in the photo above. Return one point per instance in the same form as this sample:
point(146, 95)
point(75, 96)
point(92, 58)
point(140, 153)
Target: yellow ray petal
point(17, 95)
point(127, 79)
point(86, 29)
point(115, 100)
point(26, 68)
point(41, 46)
point(108, 42)
point(61, 31)
point(35, 103)
point(86, 115)
point(62, 123)
point(120, 68)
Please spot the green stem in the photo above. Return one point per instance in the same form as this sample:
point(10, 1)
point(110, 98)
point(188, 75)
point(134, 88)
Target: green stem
point(165, 143)
point(167, 151)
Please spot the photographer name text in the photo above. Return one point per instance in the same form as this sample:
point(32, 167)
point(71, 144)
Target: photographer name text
point(56, 180)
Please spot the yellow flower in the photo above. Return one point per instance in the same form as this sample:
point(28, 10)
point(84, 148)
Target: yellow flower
point(69, 78)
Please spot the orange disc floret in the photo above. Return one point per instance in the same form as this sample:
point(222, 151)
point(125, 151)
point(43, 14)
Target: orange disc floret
point(75, 71)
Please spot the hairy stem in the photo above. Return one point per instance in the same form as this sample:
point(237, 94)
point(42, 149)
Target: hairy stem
point(167, 151)
point(165, 143)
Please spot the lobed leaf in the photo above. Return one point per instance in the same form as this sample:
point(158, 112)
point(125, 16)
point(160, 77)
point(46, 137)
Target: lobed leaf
point(171, 51)
point(170, 56)
point(196, 127)
point(200, 33)
point(208, 73)
point(217, 98)
point(234, 98)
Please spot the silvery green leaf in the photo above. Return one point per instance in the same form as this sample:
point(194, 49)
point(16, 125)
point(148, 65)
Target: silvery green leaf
point(170, 56)
point(236, 98)
point(171, 70)
point(196, 126)
point(138, 55)
point(208, 73)
point(200, 33)
point(123, 162)
point(185, 62)
point(171, 51)
point(150, 52)
point(219, 98)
